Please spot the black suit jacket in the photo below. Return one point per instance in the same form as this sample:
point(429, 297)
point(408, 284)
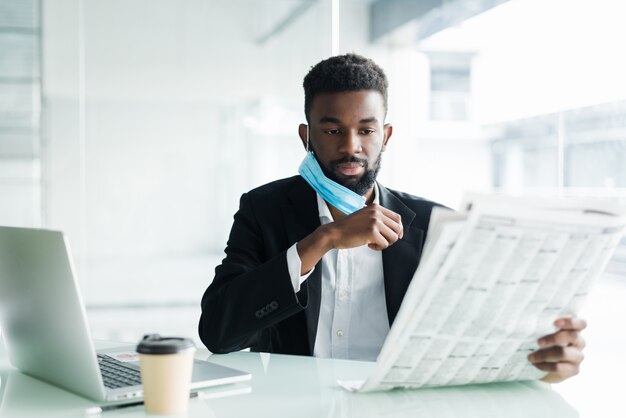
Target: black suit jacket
point(251, 301)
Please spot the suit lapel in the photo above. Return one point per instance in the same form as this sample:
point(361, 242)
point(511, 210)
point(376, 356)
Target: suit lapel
point(401, 259)
point(302, 218)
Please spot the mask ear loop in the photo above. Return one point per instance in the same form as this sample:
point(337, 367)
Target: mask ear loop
point(308, 133)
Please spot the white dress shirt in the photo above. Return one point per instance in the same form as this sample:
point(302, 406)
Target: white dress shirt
point(353, 321)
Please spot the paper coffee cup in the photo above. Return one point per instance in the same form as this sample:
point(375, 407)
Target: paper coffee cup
point(166, 365)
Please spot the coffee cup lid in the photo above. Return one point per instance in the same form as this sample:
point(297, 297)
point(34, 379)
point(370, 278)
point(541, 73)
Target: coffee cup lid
point(155, 344)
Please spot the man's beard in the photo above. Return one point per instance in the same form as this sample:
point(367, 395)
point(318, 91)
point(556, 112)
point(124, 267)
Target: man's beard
point(363, 184)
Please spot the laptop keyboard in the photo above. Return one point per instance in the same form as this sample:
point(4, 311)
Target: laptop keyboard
point(115, 374)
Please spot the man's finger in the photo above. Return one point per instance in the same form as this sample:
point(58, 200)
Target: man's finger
point(580, 343)
point(388, 234)
point(394, 221)
point(564, 369)
point(378, 241)
point(557, 354)
point(389, 213)
point(562, 338)
point(393, 226)
point(572, 323)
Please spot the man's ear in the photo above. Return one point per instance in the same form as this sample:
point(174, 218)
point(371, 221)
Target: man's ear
point(387, 131)
point(302, 132)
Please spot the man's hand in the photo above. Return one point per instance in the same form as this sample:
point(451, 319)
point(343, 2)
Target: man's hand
point(374, 225)
point(561, 353)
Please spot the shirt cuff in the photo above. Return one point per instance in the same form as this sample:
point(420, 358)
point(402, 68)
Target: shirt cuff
point(294, 264)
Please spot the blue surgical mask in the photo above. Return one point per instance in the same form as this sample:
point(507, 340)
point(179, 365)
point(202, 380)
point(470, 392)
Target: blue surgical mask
point(334, 193)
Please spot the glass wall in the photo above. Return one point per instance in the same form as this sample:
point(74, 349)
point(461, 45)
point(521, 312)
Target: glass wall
point(160, 115)
point(20, 113)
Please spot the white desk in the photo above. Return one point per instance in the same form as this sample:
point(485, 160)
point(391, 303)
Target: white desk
point(292, 386)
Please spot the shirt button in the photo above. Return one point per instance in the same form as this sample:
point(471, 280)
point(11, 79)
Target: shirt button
point(340, 333)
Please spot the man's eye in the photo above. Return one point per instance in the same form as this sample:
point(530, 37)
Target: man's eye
point(332, 131)
point(367, 131)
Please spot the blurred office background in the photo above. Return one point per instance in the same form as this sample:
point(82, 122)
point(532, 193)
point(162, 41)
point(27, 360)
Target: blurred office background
point(135, 125)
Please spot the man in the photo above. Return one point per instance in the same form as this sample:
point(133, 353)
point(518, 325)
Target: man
point(318, 264)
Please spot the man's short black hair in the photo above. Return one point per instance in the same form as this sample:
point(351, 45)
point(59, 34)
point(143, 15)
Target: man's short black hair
point(350, 72)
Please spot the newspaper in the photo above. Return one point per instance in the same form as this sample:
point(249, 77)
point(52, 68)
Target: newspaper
point(491, 281)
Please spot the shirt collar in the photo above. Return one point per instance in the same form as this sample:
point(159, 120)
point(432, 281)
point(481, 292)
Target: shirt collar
point(324, 211)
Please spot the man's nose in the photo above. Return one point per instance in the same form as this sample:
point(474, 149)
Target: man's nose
point(351, 143)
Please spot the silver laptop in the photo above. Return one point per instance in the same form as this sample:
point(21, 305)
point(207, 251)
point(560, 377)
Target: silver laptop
point(45, 326)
